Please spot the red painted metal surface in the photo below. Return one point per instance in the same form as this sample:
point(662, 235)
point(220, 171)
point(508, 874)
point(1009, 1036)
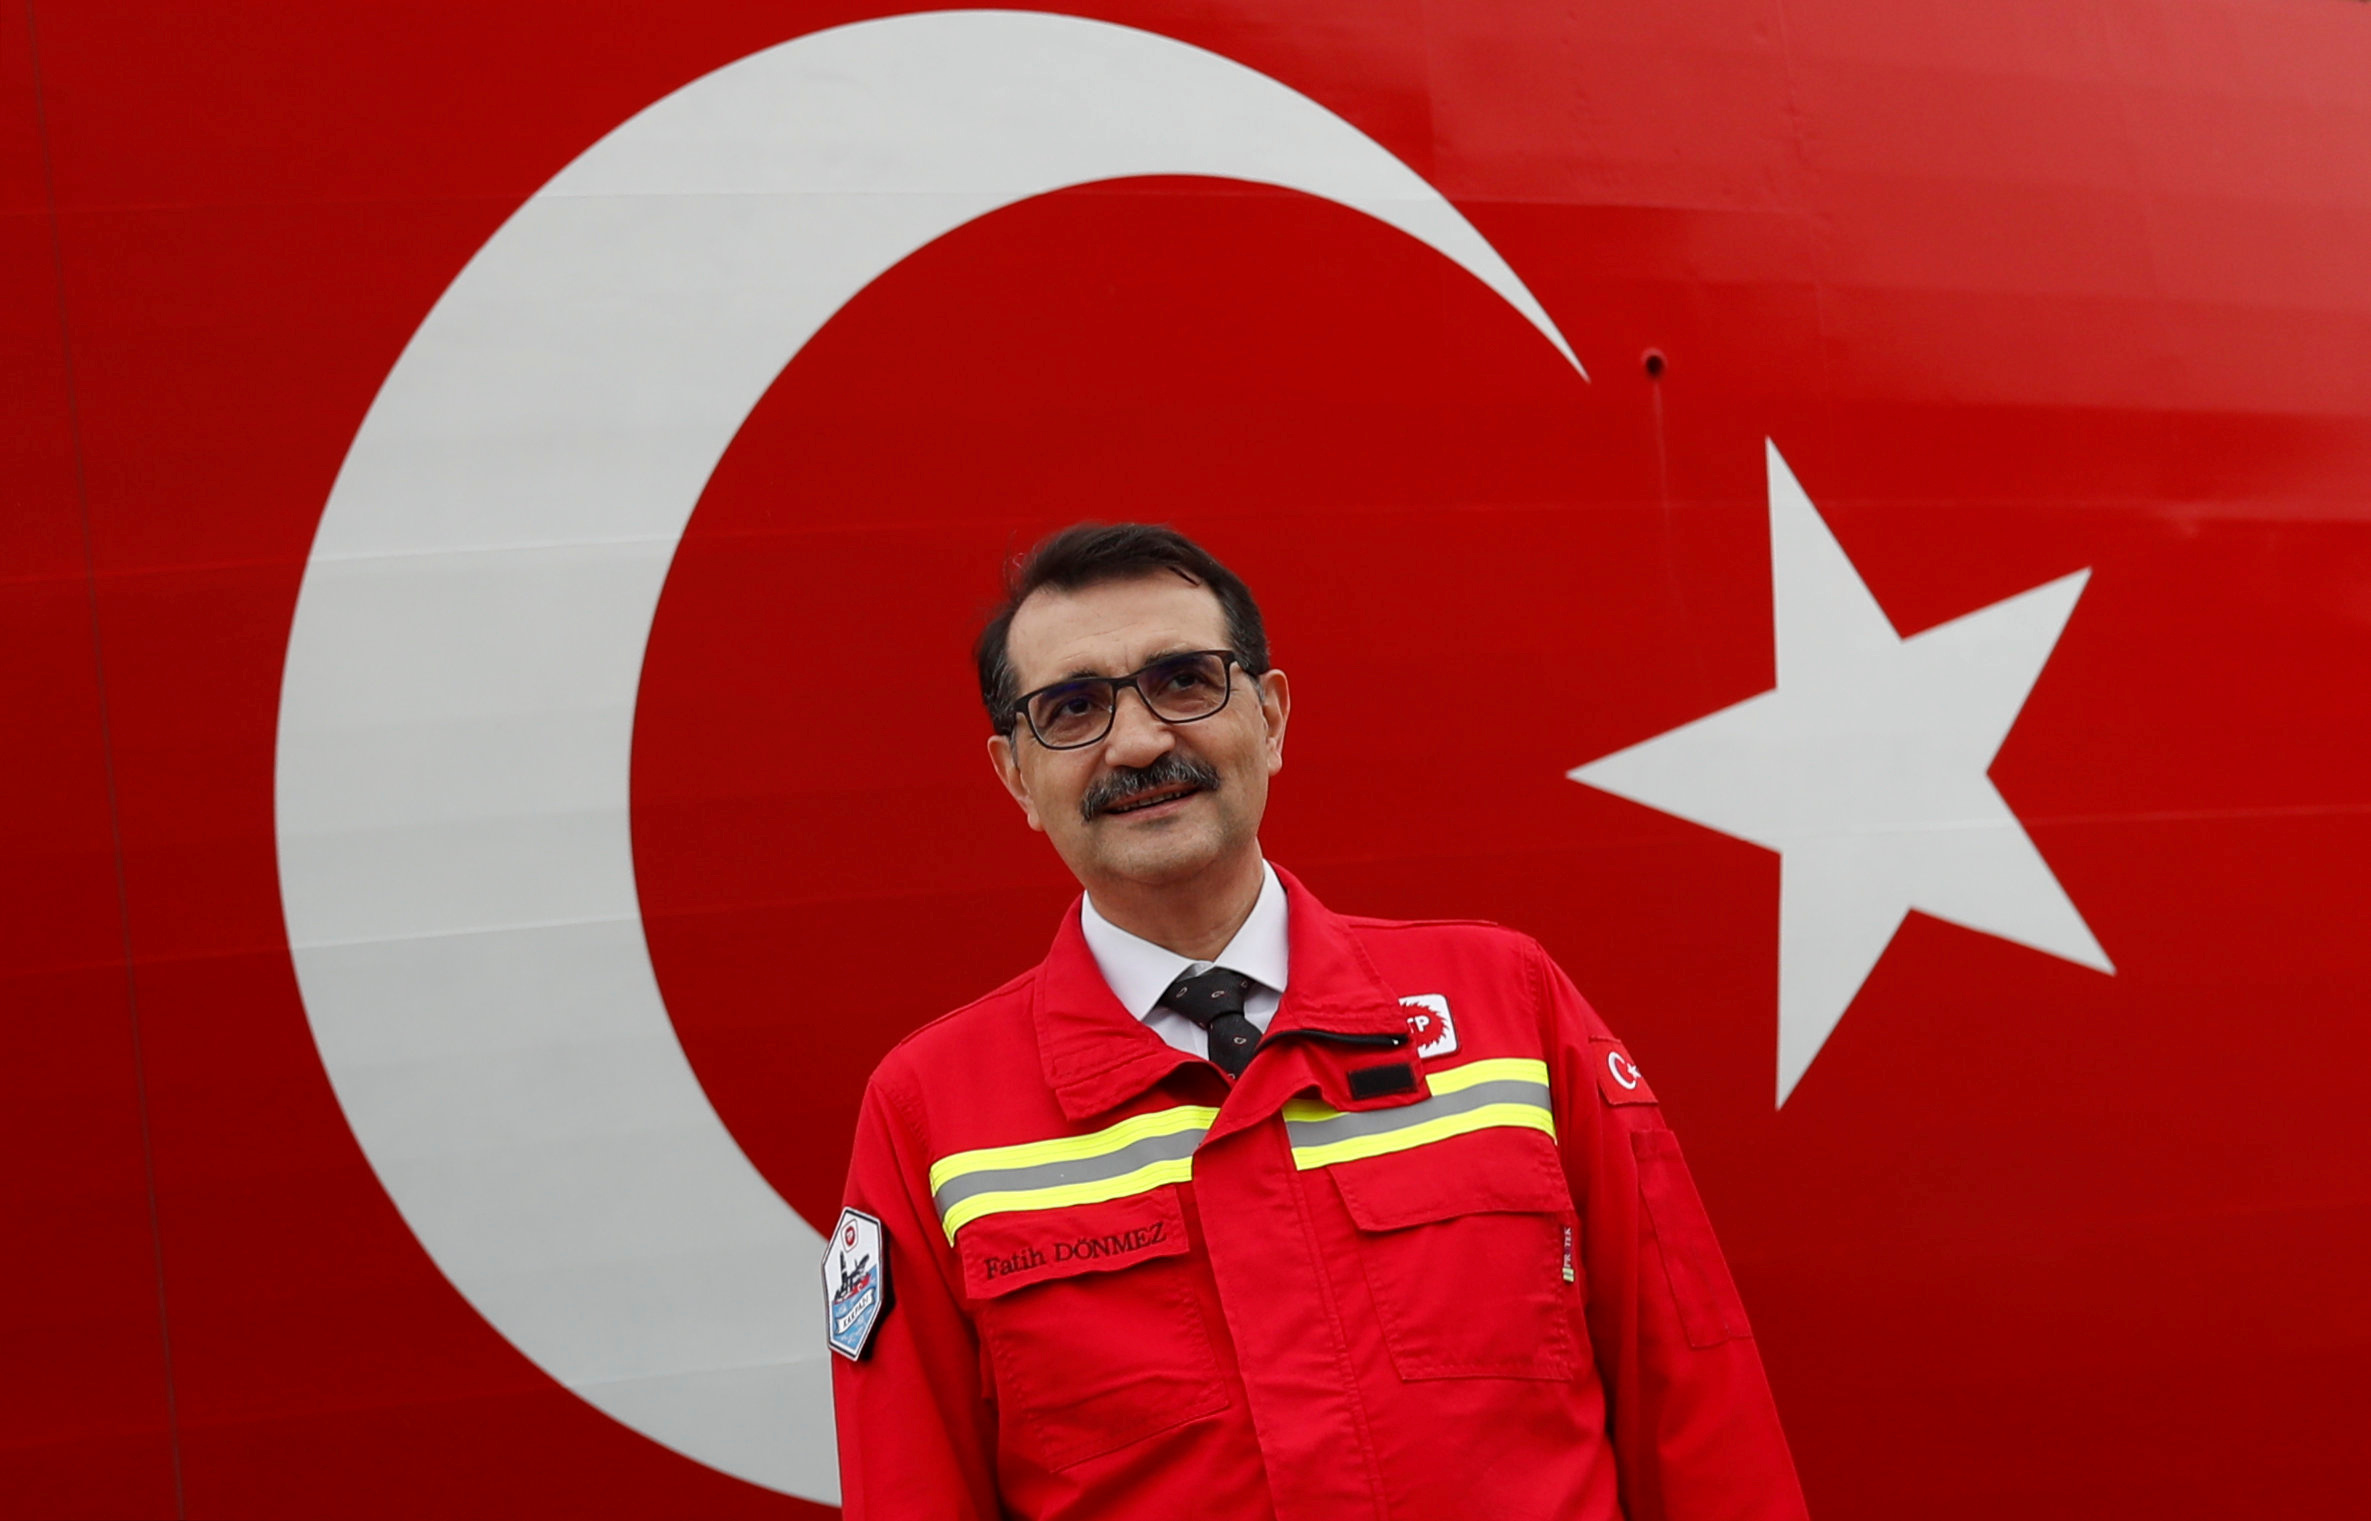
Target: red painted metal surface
point(2018, 288)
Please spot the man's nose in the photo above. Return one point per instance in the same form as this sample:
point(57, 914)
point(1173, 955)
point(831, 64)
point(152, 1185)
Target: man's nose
point(1137, 738)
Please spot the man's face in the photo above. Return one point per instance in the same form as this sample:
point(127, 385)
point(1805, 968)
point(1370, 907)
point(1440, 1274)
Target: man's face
point(1109, 823)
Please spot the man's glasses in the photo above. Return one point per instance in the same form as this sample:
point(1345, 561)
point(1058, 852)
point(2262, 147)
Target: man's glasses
point(1179, 689)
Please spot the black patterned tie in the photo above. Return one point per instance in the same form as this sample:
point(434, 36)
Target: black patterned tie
point(1214, 1000)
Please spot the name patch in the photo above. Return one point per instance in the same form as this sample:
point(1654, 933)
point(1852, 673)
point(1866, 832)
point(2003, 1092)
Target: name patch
point(1009, 1251)
point(1083, 1249)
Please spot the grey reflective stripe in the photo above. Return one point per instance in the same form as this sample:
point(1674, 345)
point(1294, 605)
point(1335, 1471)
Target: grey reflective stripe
point(1112, 1164)
point(1344, 1127)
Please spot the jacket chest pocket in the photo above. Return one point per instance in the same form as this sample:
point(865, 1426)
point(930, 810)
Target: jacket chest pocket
point(1471, 1250)
point(1094, 1333)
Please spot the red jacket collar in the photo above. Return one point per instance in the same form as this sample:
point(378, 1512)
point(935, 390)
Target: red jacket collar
point(1098, 1056)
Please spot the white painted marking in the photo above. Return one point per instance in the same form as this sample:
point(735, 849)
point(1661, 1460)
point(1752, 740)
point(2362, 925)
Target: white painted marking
point(457, 711)
point(1866, 770)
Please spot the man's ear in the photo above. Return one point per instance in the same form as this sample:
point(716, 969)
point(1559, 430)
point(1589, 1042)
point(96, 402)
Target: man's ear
point(1008, 771)
point(1276, 710)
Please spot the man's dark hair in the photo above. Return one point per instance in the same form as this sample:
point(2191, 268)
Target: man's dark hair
point(1089, 554)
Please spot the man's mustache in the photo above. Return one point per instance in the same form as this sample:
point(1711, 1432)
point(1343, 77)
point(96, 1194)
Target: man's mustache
point(1168, 771)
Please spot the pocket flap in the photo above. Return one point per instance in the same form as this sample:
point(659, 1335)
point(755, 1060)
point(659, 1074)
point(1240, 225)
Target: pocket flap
point(1013, 1250)
point(1501, 1171)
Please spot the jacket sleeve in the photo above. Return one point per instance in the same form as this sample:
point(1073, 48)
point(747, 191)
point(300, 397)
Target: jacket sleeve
point(1695, 1432)
point(917, 1431)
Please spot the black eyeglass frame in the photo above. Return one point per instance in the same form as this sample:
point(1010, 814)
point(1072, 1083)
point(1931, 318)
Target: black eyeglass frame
point(1229, 663)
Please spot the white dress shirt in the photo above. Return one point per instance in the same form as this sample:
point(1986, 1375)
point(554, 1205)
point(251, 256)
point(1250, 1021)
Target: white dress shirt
point(1139, 971)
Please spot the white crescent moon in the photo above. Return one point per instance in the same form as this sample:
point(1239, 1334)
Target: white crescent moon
point(457, 712)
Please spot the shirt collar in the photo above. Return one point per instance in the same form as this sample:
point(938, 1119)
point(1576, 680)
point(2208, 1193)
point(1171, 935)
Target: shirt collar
point(1139, 971)
point(1096, 1056)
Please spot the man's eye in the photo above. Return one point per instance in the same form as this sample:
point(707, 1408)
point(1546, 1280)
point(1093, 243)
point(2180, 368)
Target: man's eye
point(1072, 702)
point(1182, 678)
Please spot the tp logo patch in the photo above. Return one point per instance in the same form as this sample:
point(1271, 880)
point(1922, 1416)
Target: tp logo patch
point(855, 1283)
point(1429, 1024)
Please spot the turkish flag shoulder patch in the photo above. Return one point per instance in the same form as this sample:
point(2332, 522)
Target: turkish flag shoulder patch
point(1618, 1077)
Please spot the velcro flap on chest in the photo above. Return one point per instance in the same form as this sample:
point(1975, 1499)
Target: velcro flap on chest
point(1018, 1248)
point(1493, 1171)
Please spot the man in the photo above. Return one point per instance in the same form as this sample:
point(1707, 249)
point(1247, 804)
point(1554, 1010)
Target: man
point(1234, 1207)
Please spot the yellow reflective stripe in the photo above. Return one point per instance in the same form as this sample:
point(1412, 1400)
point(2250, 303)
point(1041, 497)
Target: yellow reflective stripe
point(1072, 1148)
point(1421, 1130)
point(1424, 1133)
point(1142, 1180)
point(1496, 1069)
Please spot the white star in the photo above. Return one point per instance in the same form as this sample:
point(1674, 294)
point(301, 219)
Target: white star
point(1865, 770)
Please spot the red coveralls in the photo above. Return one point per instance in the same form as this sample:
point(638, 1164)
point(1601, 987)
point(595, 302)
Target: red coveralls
point(1360, 1282)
